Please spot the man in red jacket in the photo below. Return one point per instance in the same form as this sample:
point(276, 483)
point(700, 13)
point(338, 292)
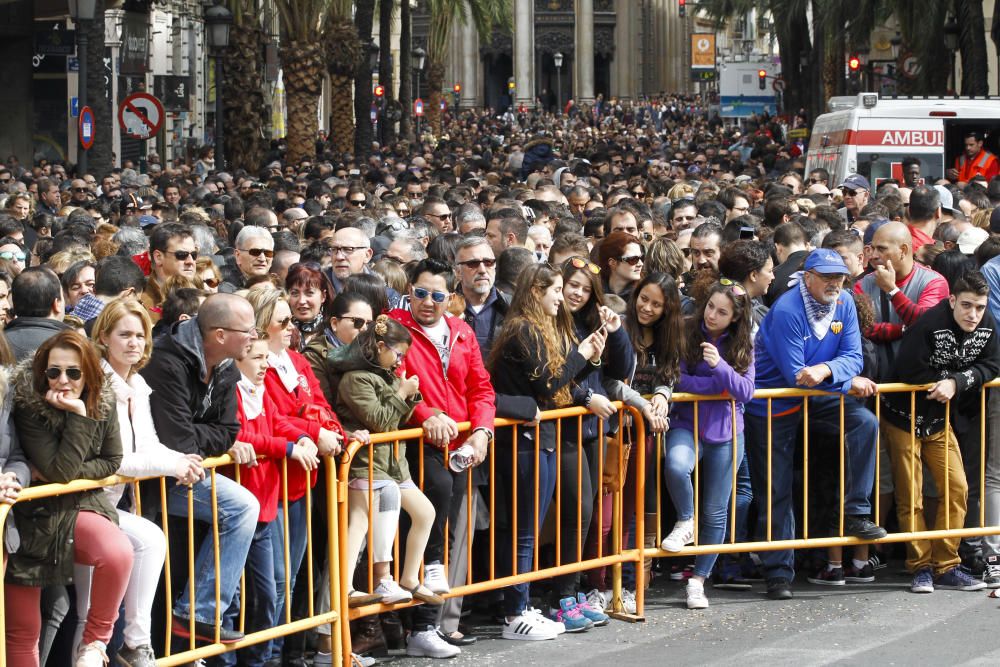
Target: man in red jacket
point(456, 388)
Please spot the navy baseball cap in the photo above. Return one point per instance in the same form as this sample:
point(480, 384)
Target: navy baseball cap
point(147, 220)
point(825, 261)
point(856, 182)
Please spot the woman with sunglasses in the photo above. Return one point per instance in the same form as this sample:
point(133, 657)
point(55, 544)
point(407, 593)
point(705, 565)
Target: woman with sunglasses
point(350, 314)
point(718, 359)
point(209, 274)
point(123, 335)
point(620, 258)
point(310, 296)
point(536, 355)
point(67, 424)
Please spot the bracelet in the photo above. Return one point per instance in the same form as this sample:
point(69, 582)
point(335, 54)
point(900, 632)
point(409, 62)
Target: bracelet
point(597, 363)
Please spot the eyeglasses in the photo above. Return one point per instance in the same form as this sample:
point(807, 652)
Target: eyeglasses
point(357, 202)
point(733, 286)
point(54, 373)
point(631, 260)
point(211, 282)
point(283, 322)
point(257, 252)
point(815, 180)
point(252, 331)
point(346, 249)
point(358, 322)
point(421, 293)
point(16, 256)
point(488, 262)
point(581, 263)
point(81, 189)
point(828, 277)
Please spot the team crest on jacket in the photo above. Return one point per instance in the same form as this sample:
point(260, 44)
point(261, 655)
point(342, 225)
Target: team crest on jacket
point(836, 326)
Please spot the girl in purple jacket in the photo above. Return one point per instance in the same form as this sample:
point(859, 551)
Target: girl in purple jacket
point(718, 360)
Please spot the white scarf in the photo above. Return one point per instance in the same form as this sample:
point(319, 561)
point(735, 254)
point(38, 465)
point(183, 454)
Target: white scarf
point(253, 397)
point(282, 364)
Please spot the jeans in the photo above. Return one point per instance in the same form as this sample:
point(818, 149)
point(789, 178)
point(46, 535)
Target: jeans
point(529, 518)
point(860, 428)
point(574, 497)
point(715, 483)
point(991, 543)
point(296, 552)
point(238, 510)
point(261, 602)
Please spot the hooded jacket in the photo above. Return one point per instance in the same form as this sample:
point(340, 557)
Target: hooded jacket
point(191, 416)
point(367, 398)
point(26, 334)
point(62, 446)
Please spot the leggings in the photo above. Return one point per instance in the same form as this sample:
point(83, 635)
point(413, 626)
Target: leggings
point(97, 542)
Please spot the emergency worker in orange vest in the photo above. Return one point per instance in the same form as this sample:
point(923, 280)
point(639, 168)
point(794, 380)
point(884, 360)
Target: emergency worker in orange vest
point(976, 160)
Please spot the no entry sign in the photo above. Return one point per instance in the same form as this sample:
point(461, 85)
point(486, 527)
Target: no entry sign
point(418, 107)
point(86, 126)
point(140, 115)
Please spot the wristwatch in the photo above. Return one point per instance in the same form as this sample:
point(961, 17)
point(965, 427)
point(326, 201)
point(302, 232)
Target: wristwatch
point(489, 434)
point(893, 292)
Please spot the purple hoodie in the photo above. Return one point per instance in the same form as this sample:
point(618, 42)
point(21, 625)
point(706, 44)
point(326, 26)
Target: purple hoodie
point(715, 418)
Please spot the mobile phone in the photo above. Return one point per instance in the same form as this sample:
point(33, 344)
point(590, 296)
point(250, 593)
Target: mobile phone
point(747, 232)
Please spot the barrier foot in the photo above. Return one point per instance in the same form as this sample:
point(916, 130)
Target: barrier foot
point(628, 618)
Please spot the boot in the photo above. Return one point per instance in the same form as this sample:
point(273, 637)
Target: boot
point(649, 542)
point(367, 637)
point(392, 630)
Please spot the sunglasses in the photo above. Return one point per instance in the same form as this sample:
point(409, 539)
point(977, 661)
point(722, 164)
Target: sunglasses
point(182, 255)
point(440, 216)
point(581, 263)
point(734, 287)
point(488, 262)
point(421, 293)
point(815, 180)
point(257, 252)
point(631, 260)
point(81, 189)
point(360, 203)
point(211, 282)
point(358, 322)
point(54, 373)
point(850, 193)
point(283, 322)
point(16, 256)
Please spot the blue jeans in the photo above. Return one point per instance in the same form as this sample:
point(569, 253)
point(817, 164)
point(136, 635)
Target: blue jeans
point(296, 552)
point(860, 427)
point(238, 511)
point(528, 517)
point(744, 496)
point(715, 483)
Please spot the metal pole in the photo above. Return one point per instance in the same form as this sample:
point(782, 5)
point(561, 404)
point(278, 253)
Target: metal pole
point(220, 155)
point(81, 88)
point(416, 95)
point(559, 105)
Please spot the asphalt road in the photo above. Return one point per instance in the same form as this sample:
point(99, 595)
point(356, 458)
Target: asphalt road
point(882, 623)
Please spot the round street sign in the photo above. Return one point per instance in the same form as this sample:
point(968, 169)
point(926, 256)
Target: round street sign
point(86, 128)
point(418, 107)
point(140, 115)
point(778, 85)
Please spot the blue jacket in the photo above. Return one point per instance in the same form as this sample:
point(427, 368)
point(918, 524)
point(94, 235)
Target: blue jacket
point(785, 344)
point(618, 360)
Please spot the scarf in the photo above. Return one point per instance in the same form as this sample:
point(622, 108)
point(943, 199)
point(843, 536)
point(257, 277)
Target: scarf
point(253, 397)
point(312, 326)
point(820, 315)
point(282, 364)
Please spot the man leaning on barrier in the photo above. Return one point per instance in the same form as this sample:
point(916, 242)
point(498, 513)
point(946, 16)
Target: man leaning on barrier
point(193, 379)
point(810, 339)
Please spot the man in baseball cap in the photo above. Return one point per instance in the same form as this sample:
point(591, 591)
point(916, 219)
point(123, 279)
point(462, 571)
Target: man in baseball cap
point(856, 191)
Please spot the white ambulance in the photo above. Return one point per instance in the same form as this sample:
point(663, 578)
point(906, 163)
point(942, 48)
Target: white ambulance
point(872, 135)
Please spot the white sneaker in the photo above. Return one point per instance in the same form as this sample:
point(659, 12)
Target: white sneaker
point(428, 644)
point(92, 655)
point(559, 627)
point(696, 595)
point(628, 602)
point(596, 599)
point(435, 580)
point(682, 534)
point(362, 660)
point(609, 599)
point(391, 592)
point(529, 626)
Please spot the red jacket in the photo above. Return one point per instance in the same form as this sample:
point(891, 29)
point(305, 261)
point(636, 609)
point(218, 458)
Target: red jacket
point(271, 435)
point(289, 404)
point(466, 394)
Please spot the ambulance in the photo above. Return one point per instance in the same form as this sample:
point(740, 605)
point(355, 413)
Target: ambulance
point(872, 135)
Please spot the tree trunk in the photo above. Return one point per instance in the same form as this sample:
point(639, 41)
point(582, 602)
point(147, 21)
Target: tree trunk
point(341, 114)
point(302, 64)
point(99, 157)
point(406, 70)
point(363, 19)
point(972, 42)
point(243, 97)
point(385, 8)
point(435, 79)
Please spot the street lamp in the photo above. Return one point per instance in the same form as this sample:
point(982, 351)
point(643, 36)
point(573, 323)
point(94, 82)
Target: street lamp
point(896, 43)
point(82, 12)
point(951, 33)
point(419, 58)
point(219, 20)
point(558, 58)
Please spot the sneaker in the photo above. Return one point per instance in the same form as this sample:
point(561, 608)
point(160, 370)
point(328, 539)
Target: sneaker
point(323, 659)
point(779, 588)
point(529, 627)
point(923, 581)
point(428, 644)
point(681, 572)
point(141, 656)
point(572, 617)
point(598, 600)
point(991, 577)
point(681, 535)
point(727, 576)
point(363, 660)
point(595, 615)
point(628, 602)
point(957, 579)
point(391, 592)
point(358, 599)
point(974, 565)
point(865, 575)
point(556, 626)
point(827, 577)
point(696, 595)
point(877, 561)
point(862, 527)
point(91, 655)
point(435, 580)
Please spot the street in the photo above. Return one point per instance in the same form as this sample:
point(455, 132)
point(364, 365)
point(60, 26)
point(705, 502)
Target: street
point(859, 624)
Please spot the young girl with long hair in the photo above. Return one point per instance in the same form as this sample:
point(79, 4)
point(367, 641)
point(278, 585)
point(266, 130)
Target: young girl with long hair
point(536, 355)
point(718, 359)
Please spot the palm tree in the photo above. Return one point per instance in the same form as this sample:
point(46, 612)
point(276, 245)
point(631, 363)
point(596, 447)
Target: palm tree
point(364, 17)
point(406, 69)
point(486, 15)
point(303, 62)
point(385, 8)
point(343, 57)
point(972, 42)
point(243, 93)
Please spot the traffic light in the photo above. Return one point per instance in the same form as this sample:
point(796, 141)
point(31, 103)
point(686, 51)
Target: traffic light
point(854, 64)
point(457, 88)
point(380, 91)
point(762, 79)
point(681, 8)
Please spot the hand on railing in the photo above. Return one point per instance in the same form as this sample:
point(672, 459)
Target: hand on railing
point(810, 376)
point(189, 469)
point(480, 444)
point(534, 422)
point(242, 453)
point(863, 387)
point(601, 406)
point(9, 488)
point(658, 423)
point(943, 390)
point(329, 443)
point(440, 429)
point(305, 452)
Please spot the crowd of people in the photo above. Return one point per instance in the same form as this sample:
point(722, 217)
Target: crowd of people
point(509, 267)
